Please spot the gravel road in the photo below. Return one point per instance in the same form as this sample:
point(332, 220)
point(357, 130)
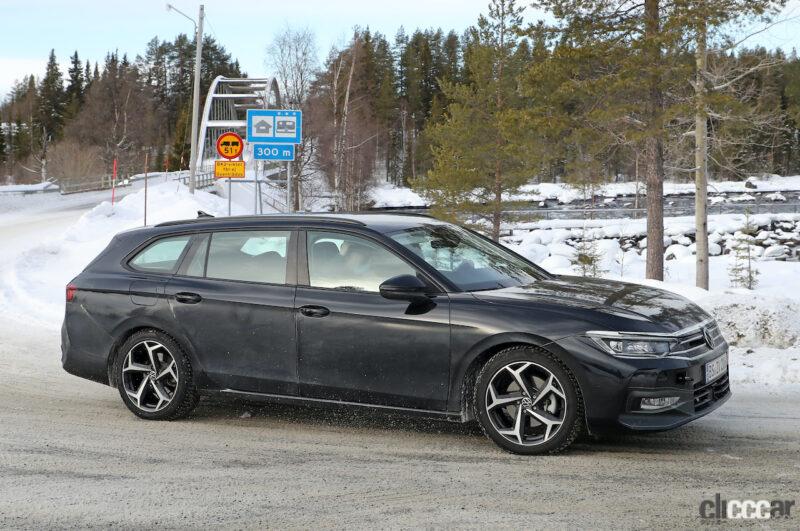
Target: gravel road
point(71, 455)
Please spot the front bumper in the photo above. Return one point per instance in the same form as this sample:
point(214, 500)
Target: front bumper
point(613, 388)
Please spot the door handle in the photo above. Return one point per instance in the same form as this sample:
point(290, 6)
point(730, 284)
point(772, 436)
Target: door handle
point(314, 311)
point(188, 298)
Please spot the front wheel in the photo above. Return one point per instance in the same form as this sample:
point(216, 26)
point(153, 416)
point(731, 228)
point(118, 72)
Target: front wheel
point(154, 377)
point(527, 402)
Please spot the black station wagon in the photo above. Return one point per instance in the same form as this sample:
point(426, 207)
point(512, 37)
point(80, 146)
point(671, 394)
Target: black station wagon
point(399, 312)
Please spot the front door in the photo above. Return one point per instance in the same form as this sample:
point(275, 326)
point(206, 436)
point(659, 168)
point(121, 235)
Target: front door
point(357, 346)
point(235, 303)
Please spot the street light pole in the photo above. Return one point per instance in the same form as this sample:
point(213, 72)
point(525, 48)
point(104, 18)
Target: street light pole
point(196, 93)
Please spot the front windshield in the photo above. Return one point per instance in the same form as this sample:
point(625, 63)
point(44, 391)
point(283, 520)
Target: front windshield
point(467, 260)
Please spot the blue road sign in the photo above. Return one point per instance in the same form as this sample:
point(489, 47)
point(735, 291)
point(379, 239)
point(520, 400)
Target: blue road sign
point(274, 126)
point(273, 151)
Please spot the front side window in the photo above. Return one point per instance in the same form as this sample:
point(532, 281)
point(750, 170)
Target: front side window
point(345, 262)
point(467, 260)
point(251, 256)
point(161, 256)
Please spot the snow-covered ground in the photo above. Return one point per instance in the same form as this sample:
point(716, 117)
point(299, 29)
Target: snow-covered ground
point(46, 242)
point(388, 195)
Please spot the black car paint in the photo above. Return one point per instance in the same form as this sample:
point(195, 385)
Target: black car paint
point(253, 339)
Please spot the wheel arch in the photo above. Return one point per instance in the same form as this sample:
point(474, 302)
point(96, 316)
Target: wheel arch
point(467, 371)
point(124, 332)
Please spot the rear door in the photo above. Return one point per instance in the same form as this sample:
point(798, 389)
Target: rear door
point(356, 345)
point(234, 299)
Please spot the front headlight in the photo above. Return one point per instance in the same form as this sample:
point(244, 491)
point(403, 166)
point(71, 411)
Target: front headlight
point(632, 346)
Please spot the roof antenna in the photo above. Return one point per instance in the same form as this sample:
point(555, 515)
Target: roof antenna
point(201, 214)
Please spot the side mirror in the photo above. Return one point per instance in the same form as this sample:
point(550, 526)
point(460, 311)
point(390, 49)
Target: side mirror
point(404, 288)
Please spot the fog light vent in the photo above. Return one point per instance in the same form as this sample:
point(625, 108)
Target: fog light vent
point(659, 403)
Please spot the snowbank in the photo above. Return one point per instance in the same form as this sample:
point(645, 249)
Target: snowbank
point(34, 284)
point(387, 195)
point(390, 196)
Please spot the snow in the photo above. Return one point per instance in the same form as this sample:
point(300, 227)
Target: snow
point(34, 282)
point(388, 195)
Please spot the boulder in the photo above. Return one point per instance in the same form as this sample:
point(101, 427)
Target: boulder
point(776, 252)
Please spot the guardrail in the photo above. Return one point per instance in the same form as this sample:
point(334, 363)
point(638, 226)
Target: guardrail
point(635, 213)
point(73, 187)
point(202, 179)
point(261, 195)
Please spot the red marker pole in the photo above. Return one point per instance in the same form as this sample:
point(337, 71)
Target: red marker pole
point(113, 181)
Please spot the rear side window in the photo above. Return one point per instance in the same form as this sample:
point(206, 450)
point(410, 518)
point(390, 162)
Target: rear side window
point(161, 256)
point(349, 263)
point(251, 256)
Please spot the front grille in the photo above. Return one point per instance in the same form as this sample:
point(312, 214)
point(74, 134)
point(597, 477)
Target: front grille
point(707, 394)
point(694, 344)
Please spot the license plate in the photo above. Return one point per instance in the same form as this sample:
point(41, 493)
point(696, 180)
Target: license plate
point(716, 368)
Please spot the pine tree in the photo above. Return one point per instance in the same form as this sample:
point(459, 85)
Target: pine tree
point(588, 258)
point(20, 140)
point(3, 144)
point(477, 150)
point(179, 154)
point(51, 100)
point(75, 87)
point(635, 45)
point(742, 270)
point(87, 77)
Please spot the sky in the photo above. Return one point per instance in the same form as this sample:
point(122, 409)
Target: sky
point(30, 28)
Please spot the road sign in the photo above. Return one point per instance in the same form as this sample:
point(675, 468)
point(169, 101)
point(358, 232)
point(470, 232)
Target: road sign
point(229, 145)
point(273, 151)
point(228, 169)
point(274, 126)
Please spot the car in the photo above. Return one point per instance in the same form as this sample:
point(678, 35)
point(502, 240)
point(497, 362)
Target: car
point(401, 313)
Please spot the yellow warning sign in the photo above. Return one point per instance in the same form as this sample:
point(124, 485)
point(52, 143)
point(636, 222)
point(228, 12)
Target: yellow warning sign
point(228, 169)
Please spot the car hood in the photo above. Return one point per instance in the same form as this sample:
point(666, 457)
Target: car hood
point(668, 311)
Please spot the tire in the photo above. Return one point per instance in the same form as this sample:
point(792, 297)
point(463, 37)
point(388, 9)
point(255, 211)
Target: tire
point(551, 405)
point(163, 392)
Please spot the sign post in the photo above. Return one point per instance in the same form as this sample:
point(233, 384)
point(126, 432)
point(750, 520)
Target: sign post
point(146, 161)
point(229, 146)
point(113, 182)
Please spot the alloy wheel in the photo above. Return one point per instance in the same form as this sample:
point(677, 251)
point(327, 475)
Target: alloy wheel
point(150, 376)
point(526, 403)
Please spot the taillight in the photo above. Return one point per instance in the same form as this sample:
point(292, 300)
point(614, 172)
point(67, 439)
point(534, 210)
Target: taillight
point(71, 289)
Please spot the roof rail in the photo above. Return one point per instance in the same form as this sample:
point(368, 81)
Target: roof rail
point(394, 213)
point(264, 217)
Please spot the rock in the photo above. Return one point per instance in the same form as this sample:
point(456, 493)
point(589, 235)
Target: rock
point(763, 235)
point(562, 249)
point(714, 249)
point(676, 251)
point(555, 263)
point(534, 252)
point(776, 252)
point(750, 184)
point(683, 240)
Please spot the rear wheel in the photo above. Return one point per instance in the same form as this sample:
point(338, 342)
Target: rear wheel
point(527, 402)
point(154, 377)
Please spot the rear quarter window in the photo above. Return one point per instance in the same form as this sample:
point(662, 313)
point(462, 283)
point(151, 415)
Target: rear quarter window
point(161, 256)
